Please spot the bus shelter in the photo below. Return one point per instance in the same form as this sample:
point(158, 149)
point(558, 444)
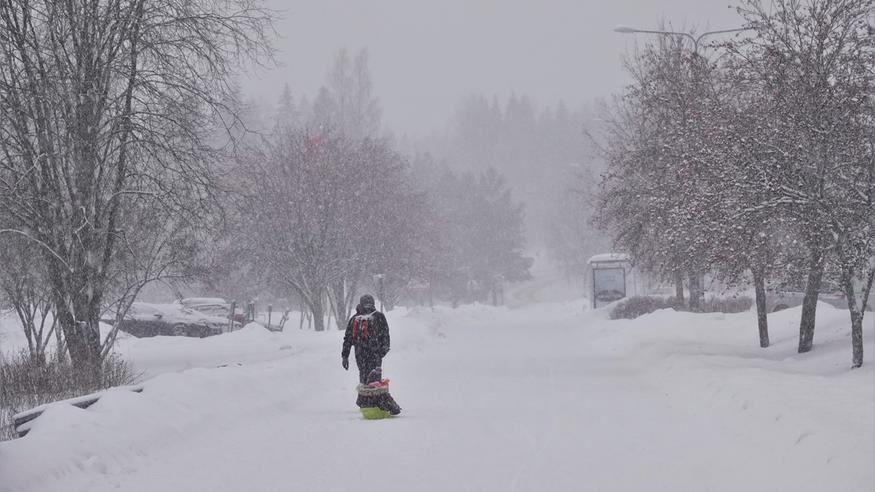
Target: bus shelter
point(612, 278)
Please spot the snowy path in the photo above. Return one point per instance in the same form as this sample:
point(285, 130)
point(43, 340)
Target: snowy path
point(532, 399)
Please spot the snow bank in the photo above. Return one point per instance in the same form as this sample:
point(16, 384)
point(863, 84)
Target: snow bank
point(547, 397)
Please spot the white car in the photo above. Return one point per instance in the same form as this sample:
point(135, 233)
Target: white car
point(214, 306)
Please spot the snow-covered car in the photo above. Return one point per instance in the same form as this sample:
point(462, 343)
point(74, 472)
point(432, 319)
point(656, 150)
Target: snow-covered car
point(780, 300)
point(213, 306)
point(150, 320)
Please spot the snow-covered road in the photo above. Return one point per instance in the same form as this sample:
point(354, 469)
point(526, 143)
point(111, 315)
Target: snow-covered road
point(538, 398)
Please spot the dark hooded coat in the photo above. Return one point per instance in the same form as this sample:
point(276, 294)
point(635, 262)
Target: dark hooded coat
point(368, 332)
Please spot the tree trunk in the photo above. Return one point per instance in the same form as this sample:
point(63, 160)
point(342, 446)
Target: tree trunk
point(679, 287)
point(317, 309)
point(857, 286)
point(857, 338)
point(45, 338)
point(759, 282)
point(809, 302)
point(61, 346)
point(696, 293)
point(83, 344)
point(75, 291)
point(341, 295)
point(23, 312)
point(81, 335)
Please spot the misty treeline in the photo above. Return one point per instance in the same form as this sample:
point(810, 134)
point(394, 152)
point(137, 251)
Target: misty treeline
point(752, 159)
point(322, 207)
point(547, 160)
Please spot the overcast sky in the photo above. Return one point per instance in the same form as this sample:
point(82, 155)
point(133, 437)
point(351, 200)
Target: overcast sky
point(426, 55)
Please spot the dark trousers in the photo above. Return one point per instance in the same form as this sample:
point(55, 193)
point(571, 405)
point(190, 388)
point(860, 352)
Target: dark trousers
point(366, 362)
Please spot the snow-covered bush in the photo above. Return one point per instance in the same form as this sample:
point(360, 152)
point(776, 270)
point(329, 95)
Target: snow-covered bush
point(634, 307)
point(26, 383)
point(727, 305)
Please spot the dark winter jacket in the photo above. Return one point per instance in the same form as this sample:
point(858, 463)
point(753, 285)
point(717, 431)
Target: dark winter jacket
point(368, 332)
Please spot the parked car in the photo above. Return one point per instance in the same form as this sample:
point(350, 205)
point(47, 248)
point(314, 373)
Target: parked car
point(150, 320)
point(214, 306)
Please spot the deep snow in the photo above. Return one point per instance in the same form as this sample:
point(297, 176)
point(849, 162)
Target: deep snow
point(542, 397)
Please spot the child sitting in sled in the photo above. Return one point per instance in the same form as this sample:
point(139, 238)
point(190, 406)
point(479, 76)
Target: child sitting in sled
point(374, 399)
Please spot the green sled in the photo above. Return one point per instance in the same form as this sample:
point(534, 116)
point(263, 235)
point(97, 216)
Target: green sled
point(373, 413)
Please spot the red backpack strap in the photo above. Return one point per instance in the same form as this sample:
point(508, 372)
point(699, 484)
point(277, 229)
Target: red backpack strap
point(365, 328)
point(355, 327)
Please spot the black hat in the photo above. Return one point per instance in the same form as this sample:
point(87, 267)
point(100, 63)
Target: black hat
point(367, 302)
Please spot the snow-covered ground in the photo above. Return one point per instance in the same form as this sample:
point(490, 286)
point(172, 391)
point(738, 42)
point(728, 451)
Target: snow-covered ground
point(541, 397)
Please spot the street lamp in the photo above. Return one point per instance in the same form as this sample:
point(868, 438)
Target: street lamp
point(694, 39)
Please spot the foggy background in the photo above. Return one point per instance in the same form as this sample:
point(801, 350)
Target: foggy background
point(473, 85)
point(426, 56)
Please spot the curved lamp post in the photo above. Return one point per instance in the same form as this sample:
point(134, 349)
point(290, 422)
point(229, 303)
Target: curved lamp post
point(694, 39)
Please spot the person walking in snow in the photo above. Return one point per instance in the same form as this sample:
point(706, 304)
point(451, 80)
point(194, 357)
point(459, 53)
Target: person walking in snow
point(368, 332)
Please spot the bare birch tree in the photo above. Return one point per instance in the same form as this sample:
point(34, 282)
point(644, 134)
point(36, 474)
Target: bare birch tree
point(102, 101)
point(327, 213)
point(23, 287)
